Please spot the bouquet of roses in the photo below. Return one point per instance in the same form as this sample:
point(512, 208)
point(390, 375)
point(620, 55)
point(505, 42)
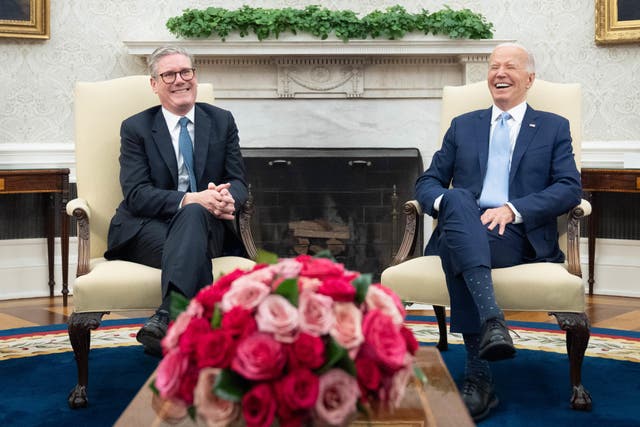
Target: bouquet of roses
point(299, 340)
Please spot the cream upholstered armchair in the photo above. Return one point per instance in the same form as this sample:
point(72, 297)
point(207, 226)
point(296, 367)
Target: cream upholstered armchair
point(548, 287)
point(103, 286)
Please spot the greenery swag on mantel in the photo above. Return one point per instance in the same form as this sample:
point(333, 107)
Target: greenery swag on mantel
point(320, 22)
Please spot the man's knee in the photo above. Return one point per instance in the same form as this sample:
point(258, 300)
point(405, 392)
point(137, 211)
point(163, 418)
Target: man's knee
point(457, 198)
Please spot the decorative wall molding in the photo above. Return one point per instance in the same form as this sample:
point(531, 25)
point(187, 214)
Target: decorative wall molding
point(305, 67)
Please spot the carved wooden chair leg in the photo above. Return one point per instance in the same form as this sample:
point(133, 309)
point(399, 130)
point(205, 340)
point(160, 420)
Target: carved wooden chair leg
point(578, 332)
point(441, 316)
point(79, 327)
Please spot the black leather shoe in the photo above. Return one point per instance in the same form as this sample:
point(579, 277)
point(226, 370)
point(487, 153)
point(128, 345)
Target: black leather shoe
point(495, 341)
point(152, 332)
point(479, 397)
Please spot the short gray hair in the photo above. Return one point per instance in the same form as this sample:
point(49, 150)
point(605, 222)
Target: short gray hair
point(152, 62)
point(531, 62)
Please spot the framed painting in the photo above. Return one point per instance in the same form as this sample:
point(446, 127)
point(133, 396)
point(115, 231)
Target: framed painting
point(24, 19)
point(617, 21)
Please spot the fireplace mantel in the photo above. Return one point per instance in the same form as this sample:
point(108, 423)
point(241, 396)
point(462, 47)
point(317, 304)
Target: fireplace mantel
point(416, 66)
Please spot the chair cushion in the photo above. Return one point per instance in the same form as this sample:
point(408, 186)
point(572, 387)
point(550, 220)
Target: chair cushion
point(123, 285)
point(529, 287)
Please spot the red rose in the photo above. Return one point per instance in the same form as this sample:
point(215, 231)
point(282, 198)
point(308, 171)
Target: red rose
point(383, 340)
point(410, 339)
point(210, 295)
point(321, 268)
point(368, 374)
point(198, 327)
point(259, 406)
point(298, 389)
point(306, 352)
point(239, 322)
point(259, 357)
point(188, 384)
point(338, 289)
point(215, 349)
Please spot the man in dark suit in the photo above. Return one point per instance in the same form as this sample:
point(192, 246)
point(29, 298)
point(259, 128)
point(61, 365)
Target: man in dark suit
point(182, 177)
point(496, 207)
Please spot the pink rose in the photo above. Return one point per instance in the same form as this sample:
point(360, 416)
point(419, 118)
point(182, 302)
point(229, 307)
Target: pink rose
point(316, 314)
point(383, 340)
point(338, 289)
point(307, 351)
point(239, 322)
point(245, 292)
point(399, 382)
point(176, 328)
point(216, 412)
point(259, 357)
point(212, 294)
point(298, 389)
point(347, 328)
point(310, 284)
point(170, 410)
point(215, 349)
point(287, 268)
point(277, 315)
point(171, 369)
point(378, 299)
point(259, 406)
point(262, 275)
point(338, 393)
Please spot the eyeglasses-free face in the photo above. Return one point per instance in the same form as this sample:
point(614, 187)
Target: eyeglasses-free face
point(177, 95)
point(168, 77)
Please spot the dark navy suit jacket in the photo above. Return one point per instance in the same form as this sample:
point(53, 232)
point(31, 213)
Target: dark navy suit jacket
point(149, 168)
point(544, 181)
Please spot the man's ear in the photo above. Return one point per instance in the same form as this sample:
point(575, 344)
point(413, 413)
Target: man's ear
point(532, 78)
point(153, 84)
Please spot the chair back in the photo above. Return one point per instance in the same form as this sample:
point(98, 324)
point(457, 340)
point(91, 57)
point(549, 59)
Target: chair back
point(564, 99)
point(100, 108)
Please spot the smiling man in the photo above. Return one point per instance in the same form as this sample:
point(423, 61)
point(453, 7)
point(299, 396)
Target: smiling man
point(496, 187)
point(182, 177)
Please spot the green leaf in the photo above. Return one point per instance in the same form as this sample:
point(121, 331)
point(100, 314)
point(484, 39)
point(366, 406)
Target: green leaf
point(325, 253)
point(289, 289)
point(216, 317)
point(336, 357)
point(419, 373)
point(230, 386)
point(266, 257)
point(179, 304)
point(361, 284)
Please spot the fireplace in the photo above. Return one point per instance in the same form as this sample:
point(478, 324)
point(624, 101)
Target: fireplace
point(345, 201)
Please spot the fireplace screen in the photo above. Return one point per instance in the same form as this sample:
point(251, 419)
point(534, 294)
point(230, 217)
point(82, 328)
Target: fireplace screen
point(347, 201)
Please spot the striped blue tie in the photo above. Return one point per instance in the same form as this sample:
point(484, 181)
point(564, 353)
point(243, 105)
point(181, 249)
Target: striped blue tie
point(186, 149)
point(495, 189)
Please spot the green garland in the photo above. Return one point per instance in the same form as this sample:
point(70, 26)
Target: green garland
point(391, 24)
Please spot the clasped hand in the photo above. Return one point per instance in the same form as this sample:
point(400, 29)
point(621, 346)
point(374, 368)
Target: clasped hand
point(216, 199)
point(500, 216)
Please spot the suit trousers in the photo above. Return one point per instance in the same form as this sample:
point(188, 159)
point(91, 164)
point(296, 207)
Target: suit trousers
point(464, 243)
point(182, 248)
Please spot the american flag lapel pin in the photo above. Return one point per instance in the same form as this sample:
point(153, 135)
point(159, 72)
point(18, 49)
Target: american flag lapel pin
point(532, 125)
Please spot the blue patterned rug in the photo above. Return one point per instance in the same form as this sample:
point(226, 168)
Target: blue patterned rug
point(37, 370)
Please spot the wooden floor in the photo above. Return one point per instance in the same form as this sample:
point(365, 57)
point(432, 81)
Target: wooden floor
point(604, 312)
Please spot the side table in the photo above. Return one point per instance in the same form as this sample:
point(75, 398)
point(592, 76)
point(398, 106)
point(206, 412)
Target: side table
point(51, 181)
point(595, 181)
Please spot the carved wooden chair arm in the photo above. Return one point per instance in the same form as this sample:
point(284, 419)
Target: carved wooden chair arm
point(79, 208)
point(573, 236)
point(413, 214)
point(244, 226)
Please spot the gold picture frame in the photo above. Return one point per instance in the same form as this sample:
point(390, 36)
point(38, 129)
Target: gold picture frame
point(612, 28)
point(24, 19)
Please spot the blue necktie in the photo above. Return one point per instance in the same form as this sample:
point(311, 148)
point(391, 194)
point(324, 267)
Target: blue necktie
point(495, 189)
point(186, 149)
